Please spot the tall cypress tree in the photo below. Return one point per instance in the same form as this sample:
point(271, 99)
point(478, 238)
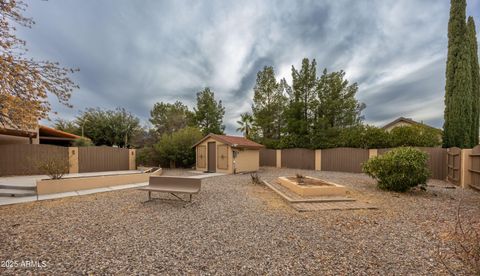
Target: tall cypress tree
point(458, 89)
point(472, 40)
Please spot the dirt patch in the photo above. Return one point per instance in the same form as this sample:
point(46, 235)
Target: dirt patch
point(308, 181)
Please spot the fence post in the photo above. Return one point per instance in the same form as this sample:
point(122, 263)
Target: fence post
point(372, 153)
point(131, 159)
point(73, 159)
point(318, 160)
point(278, 158)
point(466, 161)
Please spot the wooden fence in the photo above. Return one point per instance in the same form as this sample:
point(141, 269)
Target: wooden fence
point(437, 161)
point(298, 159)
point(268, 157)
point(454, 165)
point(98, 159)
point(24, 159)
point(344, 159)
point(475, 168)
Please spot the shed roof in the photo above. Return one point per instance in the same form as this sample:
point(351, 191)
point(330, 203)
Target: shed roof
point(233, 141)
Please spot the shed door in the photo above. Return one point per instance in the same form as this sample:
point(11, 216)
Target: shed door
point(212, 154)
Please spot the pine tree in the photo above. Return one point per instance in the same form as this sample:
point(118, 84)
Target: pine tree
point(169, 118)
point(335, 107)
point(472, 40)
point(281, 102)
point(458, 88)
point(209, 113)
point(299, 115)
point(265, 109)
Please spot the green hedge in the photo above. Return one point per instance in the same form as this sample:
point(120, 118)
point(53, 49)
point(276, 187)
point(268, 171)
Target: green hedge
point(399, 170)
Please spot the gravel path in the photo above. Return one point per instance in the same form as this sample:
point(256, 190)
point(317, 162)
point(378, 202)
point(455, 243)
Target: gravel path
point(233, 227)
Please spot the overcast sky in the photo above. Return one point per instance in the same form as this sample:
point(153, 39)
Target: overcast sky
point(134, 53)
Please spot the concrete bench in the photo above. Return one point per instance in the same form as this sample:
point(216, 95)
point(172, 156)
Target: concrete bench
point(173, 185)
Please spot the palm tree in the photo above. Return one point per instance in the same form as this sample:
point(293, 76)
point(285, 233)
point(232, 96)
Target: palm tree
point(246, 124)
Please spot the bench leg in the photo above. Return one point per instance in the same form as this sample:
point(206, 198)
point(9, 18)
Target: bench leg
point(177, 196)
point(173, 194)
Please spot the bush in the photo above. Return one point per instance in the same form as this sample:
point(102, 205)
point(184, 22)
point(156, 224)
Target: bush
point(146, 157)
point(399, 169)
point(415, 136)
point(53, 166)
point(176, 149)
point(82, 142)
point(364, 136)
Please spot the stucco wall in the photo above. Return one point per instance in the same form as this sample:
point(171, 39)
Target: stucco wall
point(247, 161)
point(73, 159)
point(132, 154)
point(49, 186)
point(217, 143)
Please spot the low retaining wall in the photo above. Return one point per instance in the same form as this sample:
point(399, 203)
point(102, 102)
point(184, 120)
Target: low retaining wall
point(51, 186)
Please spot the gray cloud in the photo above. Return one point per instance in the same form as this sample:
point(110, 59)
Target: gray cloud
point(133, 54)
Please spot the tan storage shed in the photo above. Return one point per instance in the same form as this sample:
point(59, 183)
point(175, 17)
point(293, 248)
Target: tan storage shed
point(227, 154)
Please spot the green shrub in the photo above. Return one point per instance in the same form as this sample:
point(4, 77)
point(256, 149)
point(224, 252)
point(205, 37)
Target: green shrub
point(146, 157)
point(415, 136)
point(364, 136)
point(399, 169)
point(82, 142)
point(175, 150)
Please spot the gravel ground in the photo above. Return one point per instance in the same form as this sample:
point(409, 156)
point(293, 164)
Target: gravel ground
point(233, 227)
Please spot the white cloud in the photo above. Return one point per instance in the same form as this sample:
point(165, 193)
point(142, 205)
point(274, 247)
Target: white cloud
point(134, 54)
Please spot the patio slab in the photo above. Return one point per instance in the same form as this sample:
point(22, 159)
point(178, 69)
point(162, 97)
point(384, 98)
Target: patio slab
point(206, 175)
point(16, 200)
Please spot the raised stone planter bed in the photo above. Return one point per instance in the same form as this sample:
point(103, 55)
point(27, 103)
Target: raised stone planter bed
point(312, 186)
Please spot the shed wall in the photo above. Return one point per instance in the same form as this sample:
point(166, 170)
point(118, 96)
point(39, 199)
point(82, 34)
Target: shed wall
point(248, 161)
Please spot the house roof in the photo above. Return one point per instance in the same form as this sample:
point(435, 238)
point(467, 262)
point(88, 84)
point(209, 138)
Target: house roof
point(18, 132)
point(52, 132)
point(408, 121)
point(233, 141)
point(43, 131)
